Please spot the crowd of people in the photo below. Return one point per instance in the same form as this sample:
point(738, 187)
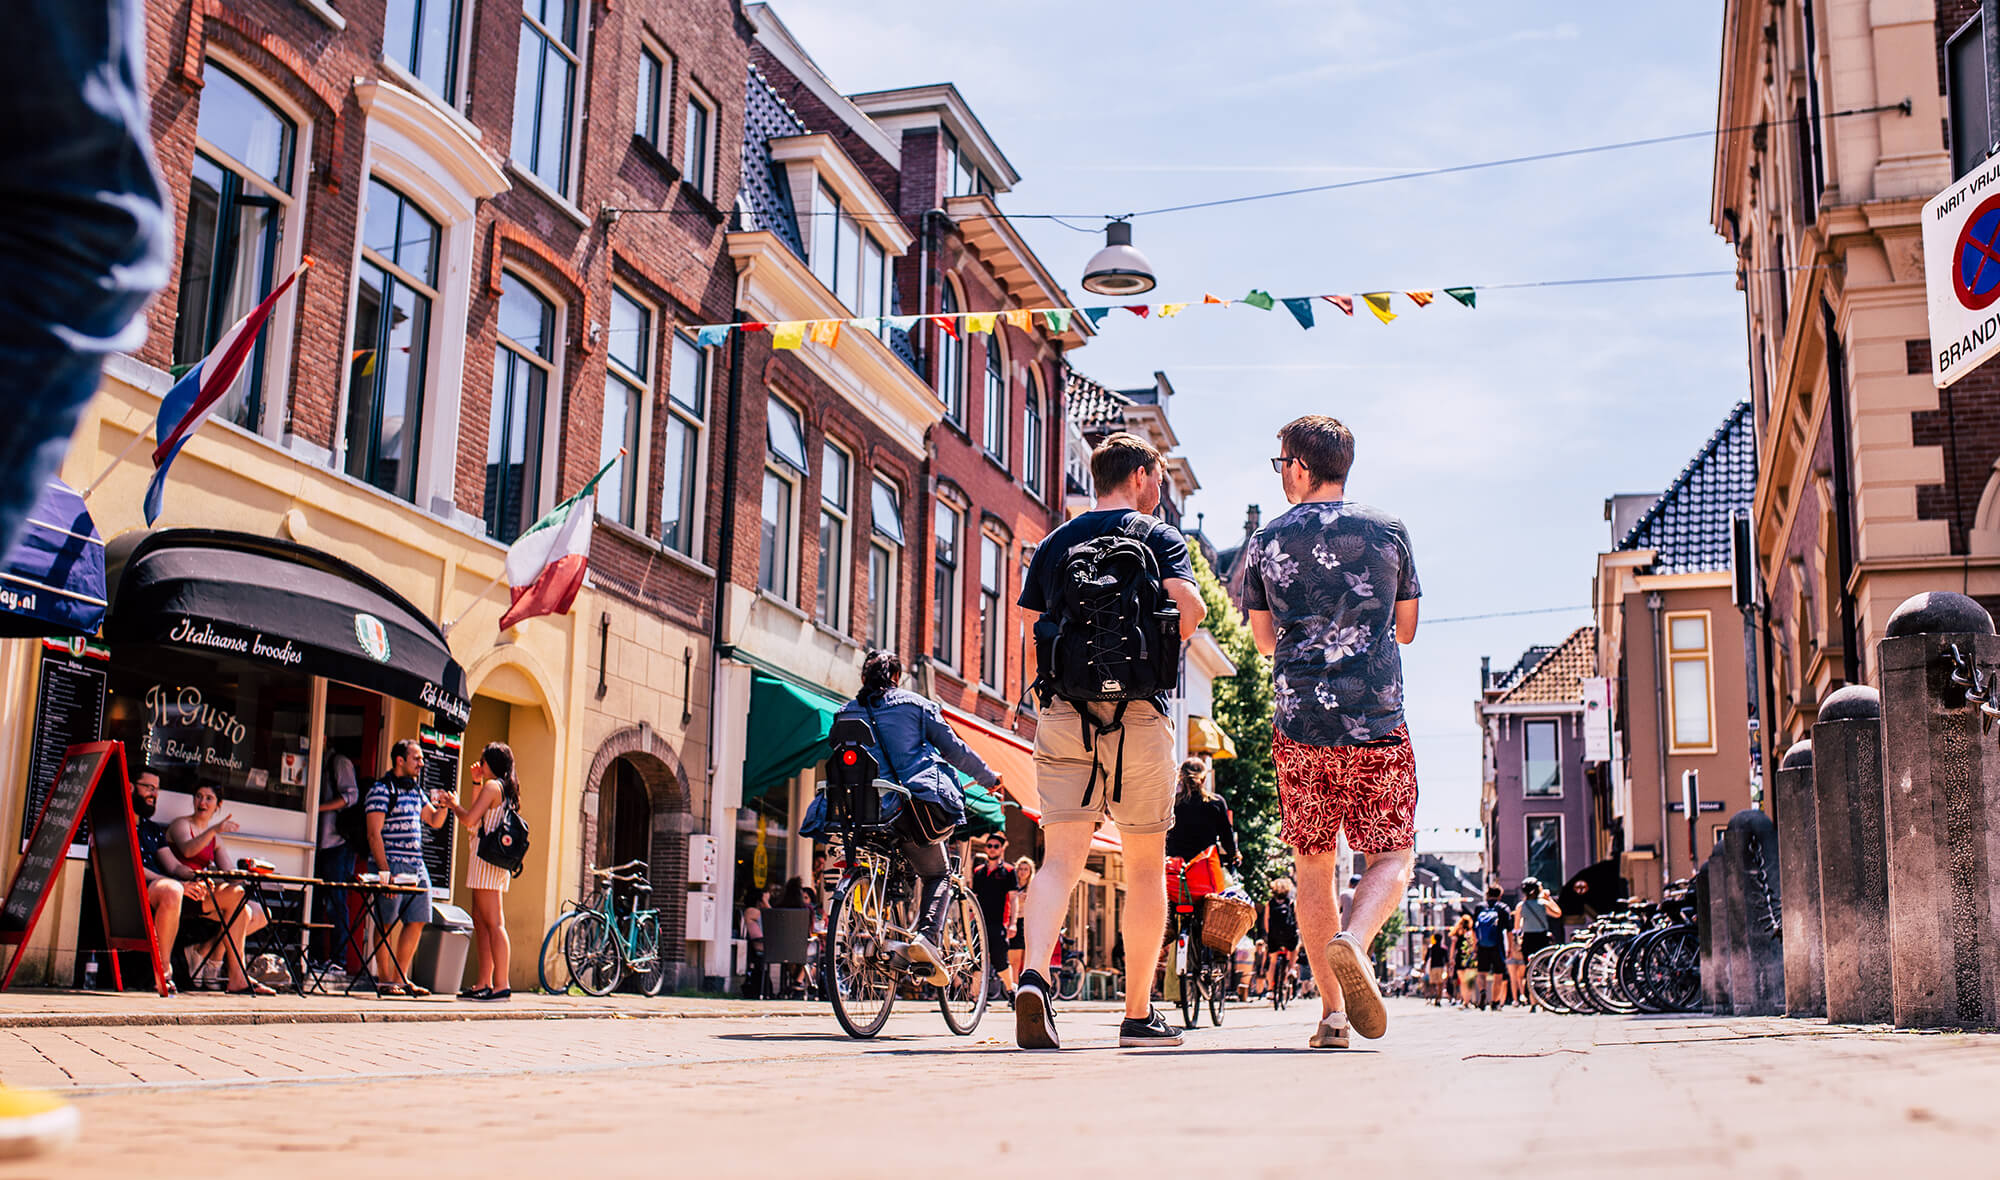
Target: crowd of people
point(1482, 961)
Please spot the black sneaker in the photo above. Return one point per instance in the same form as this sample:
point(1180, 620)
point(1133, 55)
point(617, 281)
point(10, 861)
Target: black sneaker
point(1144, 1034)
point(1034, 1016)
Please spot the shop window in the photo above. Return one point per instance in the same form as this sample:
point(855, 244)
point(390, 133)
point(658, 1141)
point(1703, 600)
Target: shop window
point(1034, 447)
point(1688, 684)
point(992, 616)
point(698, 149)
point(421, 36)
point(523, 363)
point(200, 721)
point(628, 383)
point(994, 427)
point(239, 195)
point(831, 597)
point(950, 525)
point(1541, 769)
point(545, 89)
point(687, 409)
point(950, 373)
point(393, 299)
point(1545, 850)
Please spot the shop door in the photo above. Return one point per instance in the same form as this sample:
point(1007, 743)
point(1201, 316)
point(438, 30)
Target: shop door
point(631, 816)
point(354, 727)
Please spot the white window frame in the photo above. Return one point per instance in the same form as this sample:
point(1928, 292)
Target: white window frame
point(462, 70)
point(645, 390)
point(1555, 727)
point(281, 331)
point(573, 167)
point(662, 138)
point(1706, 657)
point(881, 630)
point(838, 563)
point(698, 425)
point(951, 380)
point(696, 96)
point(552, 404)
point(949, 653)
point(1034, 433)
point(993, 629)
point(994, 416)
point(793, 478)
point(1562, 842)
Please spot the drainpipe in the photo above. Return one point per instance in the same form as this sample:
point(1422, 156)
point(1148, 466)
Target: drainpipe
point(1843, 497)
point(1655, 603)
point(722, 820)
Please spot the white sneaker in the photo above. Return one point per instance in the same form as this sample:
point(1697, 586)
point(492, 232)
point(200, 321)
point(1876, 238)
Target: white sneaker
point(1331, 1033)
point(1356, 976)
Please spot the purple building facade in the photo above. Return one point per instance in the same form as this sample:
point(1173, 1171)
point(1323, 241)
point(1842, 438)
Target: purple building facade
point(1539, 807)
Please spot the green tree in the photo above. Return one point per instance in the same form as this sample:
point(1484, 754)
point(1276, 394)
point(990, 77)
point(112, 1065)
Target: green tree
point(1248, 781)
point(1387, 936)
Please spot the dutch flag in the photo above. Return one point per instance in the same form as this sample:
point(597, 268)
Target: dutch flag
point(191, 400)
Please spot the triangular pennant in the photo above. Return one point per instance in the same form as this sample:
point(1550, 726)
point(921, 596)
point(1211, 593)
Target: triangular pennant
point(753, 325)
point(713, 334)
point(948, 323)
point(1378, 302)
point(825, 332)
point(900, 323)
point(1260, 299)
point(1343, 302)
point(789, 334)
point(1058, 319)
point(1017, 319)
point(1096, 314)
point(1139, 309)
point(1170, 310)
point(1465, 295)
point(870, 324)
point(1302, 311)
point(980, 321)
point(1207, 298)
point(1420, 298)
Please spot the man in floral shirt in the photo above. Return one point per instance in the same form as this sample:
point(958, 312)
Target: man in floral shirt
point(1332, 591)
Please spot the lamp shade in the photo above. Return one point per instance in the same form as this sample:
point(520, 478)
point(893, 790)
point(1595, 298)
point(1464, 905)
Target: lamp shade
point(1119, 268)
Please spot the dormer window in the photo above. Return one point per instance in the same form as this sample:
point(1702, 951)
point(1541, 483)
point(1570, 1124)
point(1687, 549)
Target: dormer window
point(962, 177)
point(850, 231)
point(846, 257)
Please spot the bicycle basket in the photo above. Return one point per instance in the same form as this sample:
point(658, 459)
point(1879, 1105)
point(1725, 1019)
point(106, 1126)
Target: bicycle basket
point(1225, 920)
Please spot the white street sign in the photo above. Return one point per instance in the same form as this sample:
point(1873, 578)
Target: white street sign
point(1596, 719)
point(1962, 272)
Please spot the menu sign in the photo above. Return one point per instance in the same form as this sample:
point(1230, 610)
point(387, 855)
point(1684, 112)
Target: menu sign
point(69, 710)
point(49, 840)
point(441, 754)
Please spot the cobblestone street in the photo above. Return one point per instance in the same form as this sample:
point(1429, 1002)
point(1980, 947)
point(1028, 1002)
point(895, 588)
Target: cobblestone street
point(1522, 1093)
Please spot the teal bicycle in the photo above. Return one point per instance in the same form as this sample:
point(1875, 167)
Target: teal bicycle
point(595, 946)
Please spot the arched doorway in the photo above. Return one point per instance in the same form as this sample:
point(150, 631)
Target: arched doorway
point(627, 830)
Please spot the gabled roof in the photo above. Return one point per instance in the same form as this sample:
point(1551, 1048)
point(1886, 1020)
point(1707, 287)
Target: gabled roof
point(1093, 407)
point(1529, 661)
point(764, 194)
point(1557, 677)
point(1688, 527)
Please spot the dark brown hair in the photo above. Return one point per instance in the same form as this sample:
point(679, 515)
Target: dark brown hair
point(1194, 781)
point(881, 671)
point(498, 758)
point(1322, 444)
point(1119, 458)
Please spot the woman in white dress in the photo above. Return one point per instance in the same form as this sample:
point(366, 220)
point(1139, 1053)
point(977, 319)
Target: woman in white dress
point(494, 790)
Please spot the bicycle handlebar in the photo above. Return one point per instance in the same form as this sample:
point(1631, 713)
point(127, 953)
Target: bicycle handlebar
point(630, 866)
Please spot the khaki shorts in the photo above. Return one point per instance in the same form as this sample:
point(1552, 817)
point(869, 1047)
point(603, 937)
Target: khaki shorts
point(1145, 802)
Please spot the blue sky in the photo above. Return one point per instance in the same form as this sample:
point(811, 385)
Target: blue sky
point(1496, 434)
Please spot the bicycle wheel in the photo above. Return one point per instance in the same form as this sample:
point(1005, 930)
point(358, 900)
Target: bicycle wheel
point(647, 966)
point(963, 1000)
point(1541, 979)
point(1671, 969)
point(1218, 987)
point(860, 980)
point(1069, 979)
point(1281, 990)
point(1186, 981)
point(1631, 971)
point(1598, 974)
point(553, 970)
point(1562, 976)
point(595, 960)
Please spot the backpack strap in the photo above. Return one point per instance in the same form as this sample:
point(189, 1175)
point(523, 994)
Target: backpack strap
point(1091, 731)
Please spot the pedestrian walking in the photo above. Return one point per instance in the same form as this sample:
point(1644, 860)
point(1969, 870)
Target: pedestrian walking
point(1332, 590)
point(1437, 960)
point(1281, 932)
point(1535, 919)
point(755, 977)
point(398, 811)
point(1464, 962)
point(495, 792)
point(1017, 946)
point(1107, 584)
point(1491, 924)
point(994, 883)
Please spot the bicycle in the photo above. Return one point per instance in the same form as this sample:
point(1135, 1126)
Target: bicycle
point(869, 919)
point(602, 943)
point(1068, 978)
point(1287, 987)
point(1202, 973)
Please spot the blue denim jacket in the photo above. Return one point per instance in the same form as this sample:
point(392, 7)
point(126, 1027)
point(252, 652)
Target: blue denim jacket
point(916, 746)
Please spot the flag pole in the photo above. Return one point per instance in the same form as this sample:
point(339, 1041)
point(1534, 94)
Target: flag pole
point(488, 588)
point(122, 455)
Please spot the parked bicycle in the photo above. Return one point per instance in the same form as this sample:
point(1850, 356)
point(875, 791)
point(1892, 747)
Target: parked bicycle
point(1068, 977)
point(596, 945)
point(1644, 957)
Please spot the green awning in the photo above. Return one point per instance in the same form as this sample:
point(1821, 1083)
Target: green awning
point(788, 732)
point(983, 812)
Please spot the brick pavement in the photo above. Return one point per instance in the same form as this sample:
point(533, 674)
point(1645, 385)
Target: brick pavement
point(1509, 1094)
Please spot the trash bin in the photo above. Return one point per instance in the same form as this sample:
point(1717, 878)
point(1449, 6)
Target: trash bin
point(440, 961)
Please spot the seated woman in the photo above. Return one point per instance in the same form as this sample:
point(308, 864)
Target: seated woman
point(197, 841)
point(914, 746)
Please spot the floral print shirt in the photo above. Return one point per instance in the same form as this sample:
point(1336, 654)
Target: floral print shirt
point(1330, 574)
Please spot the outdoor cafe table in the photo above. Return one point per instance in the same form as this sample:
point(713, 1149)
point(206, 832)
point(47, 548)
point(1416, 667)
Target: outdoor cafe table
point(255, 886)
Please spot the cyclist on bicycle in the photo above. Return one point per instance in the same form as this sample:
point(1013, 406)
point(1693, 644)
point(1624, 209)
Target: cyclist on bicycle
point(1281, 930)
point(1201, 821)
point(913, 747)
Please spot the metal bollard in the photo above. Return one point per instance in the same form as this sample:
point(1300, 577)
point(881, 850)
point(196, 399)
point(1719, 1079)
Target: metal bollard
point(1798, 877)
point(1941, 773)
point(1853, 871)
point(1756, 926)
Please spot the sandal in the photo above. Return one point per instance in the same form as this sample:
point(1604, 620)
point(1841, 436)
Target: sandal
point(391, 991)
point(415, 992)
point(253, 988)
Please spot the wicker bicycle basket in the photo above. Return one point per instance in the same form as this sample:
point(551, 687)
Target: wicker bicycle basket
point(1224, 921)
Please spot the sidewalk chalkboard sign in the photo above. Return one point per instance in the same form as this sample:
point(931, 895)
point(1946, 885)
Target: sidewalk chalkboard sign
point(114, 857)
point(69, 709)
point(441, 754)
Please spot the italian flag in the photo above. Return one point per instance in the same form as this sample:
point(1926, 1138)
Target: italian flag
point(546, 564)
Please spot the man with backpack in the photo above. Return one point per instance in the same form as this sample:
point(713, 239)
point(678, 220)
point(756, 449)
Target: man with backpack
point(1118, 598)
point(1490, 929)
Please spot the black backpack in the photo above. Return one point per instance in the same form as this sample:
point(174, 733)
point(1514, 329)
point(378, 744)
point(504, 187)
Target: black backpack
point(1111, 633)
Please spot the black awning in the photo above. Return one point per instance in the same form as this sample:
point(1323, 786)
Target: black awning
point(280, 604)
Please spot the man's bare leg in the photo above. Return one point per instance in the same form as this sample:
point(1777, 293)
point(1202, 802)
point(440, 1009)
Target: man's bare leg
point(1319, 921)
point(1143, 924)
point(1066, 846)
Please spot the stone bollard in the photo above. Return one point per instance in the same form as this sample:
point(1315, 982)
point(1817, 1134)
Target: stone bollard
point(1704, 925)
point(1941, 771)
point(1755, 927)
point(1722, 913)
point(1798, 878)
point(1853, 872)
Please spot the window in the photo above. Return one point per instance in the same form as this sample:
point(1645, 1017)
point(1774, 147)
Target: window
point(994, 428)
point(885, 552)
point(698, 152)
point(1812, 162)
point(422, 37)
point(784, 466)
point(1541, 772)
point(238, 195)
point(886, 507)
point(1965, 90)
point(845, 259)
point(825, 243)
point(950, 359)
point(652, 81)
point(961, 176)
point(992, 621)
point(1545, 849)
point(874, 280)
point(627, 394)
point(831, 598)
point(687, 409)
point(1034, 447)
point(1688, 681)
point(545, 90)
point(393, 299)
point(944, 586)
point(523, 360)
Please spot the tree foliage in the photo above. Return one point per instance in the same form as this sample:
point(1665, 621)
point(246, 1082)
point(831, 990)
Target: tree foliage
point(1248, 781)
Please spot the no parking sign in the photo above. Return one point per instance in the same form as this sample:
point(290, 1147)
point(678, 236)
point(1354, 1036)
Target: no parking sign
point(1962, 273)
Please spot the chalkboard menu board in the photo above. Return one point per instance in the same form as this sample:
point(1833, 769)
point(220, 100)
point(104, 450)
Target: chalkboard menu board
point(69, 710)
point(48, 842)
point(441, 754)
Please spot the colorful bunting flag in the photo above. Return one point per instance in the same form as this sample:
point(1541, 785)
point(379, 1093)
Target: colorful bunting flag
point(1170, 310)
point(948, 323)
point(753, 325)
point(1465, 295)
point(1207, 298)
point(1139, 309)
point(1420, 298)
point(1096, 314)
point(714, 335)
point(1302, 311)
point(1058, 319)
point(825, 332)
point(980, 321)
point(900, 323)
point(1017, 318)
point(1260, 299)
point(788, 335)
point(1344, 302)
point(1378, 302)
point(868, 324)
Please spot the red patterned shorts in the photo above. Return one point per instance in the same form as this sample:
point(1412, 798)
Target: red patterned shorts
point(1368, 791)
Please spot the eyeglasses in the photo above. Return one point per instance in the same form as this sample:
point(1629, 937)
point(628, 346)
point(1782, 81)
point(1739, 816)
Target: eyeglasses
point(1278, 464)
